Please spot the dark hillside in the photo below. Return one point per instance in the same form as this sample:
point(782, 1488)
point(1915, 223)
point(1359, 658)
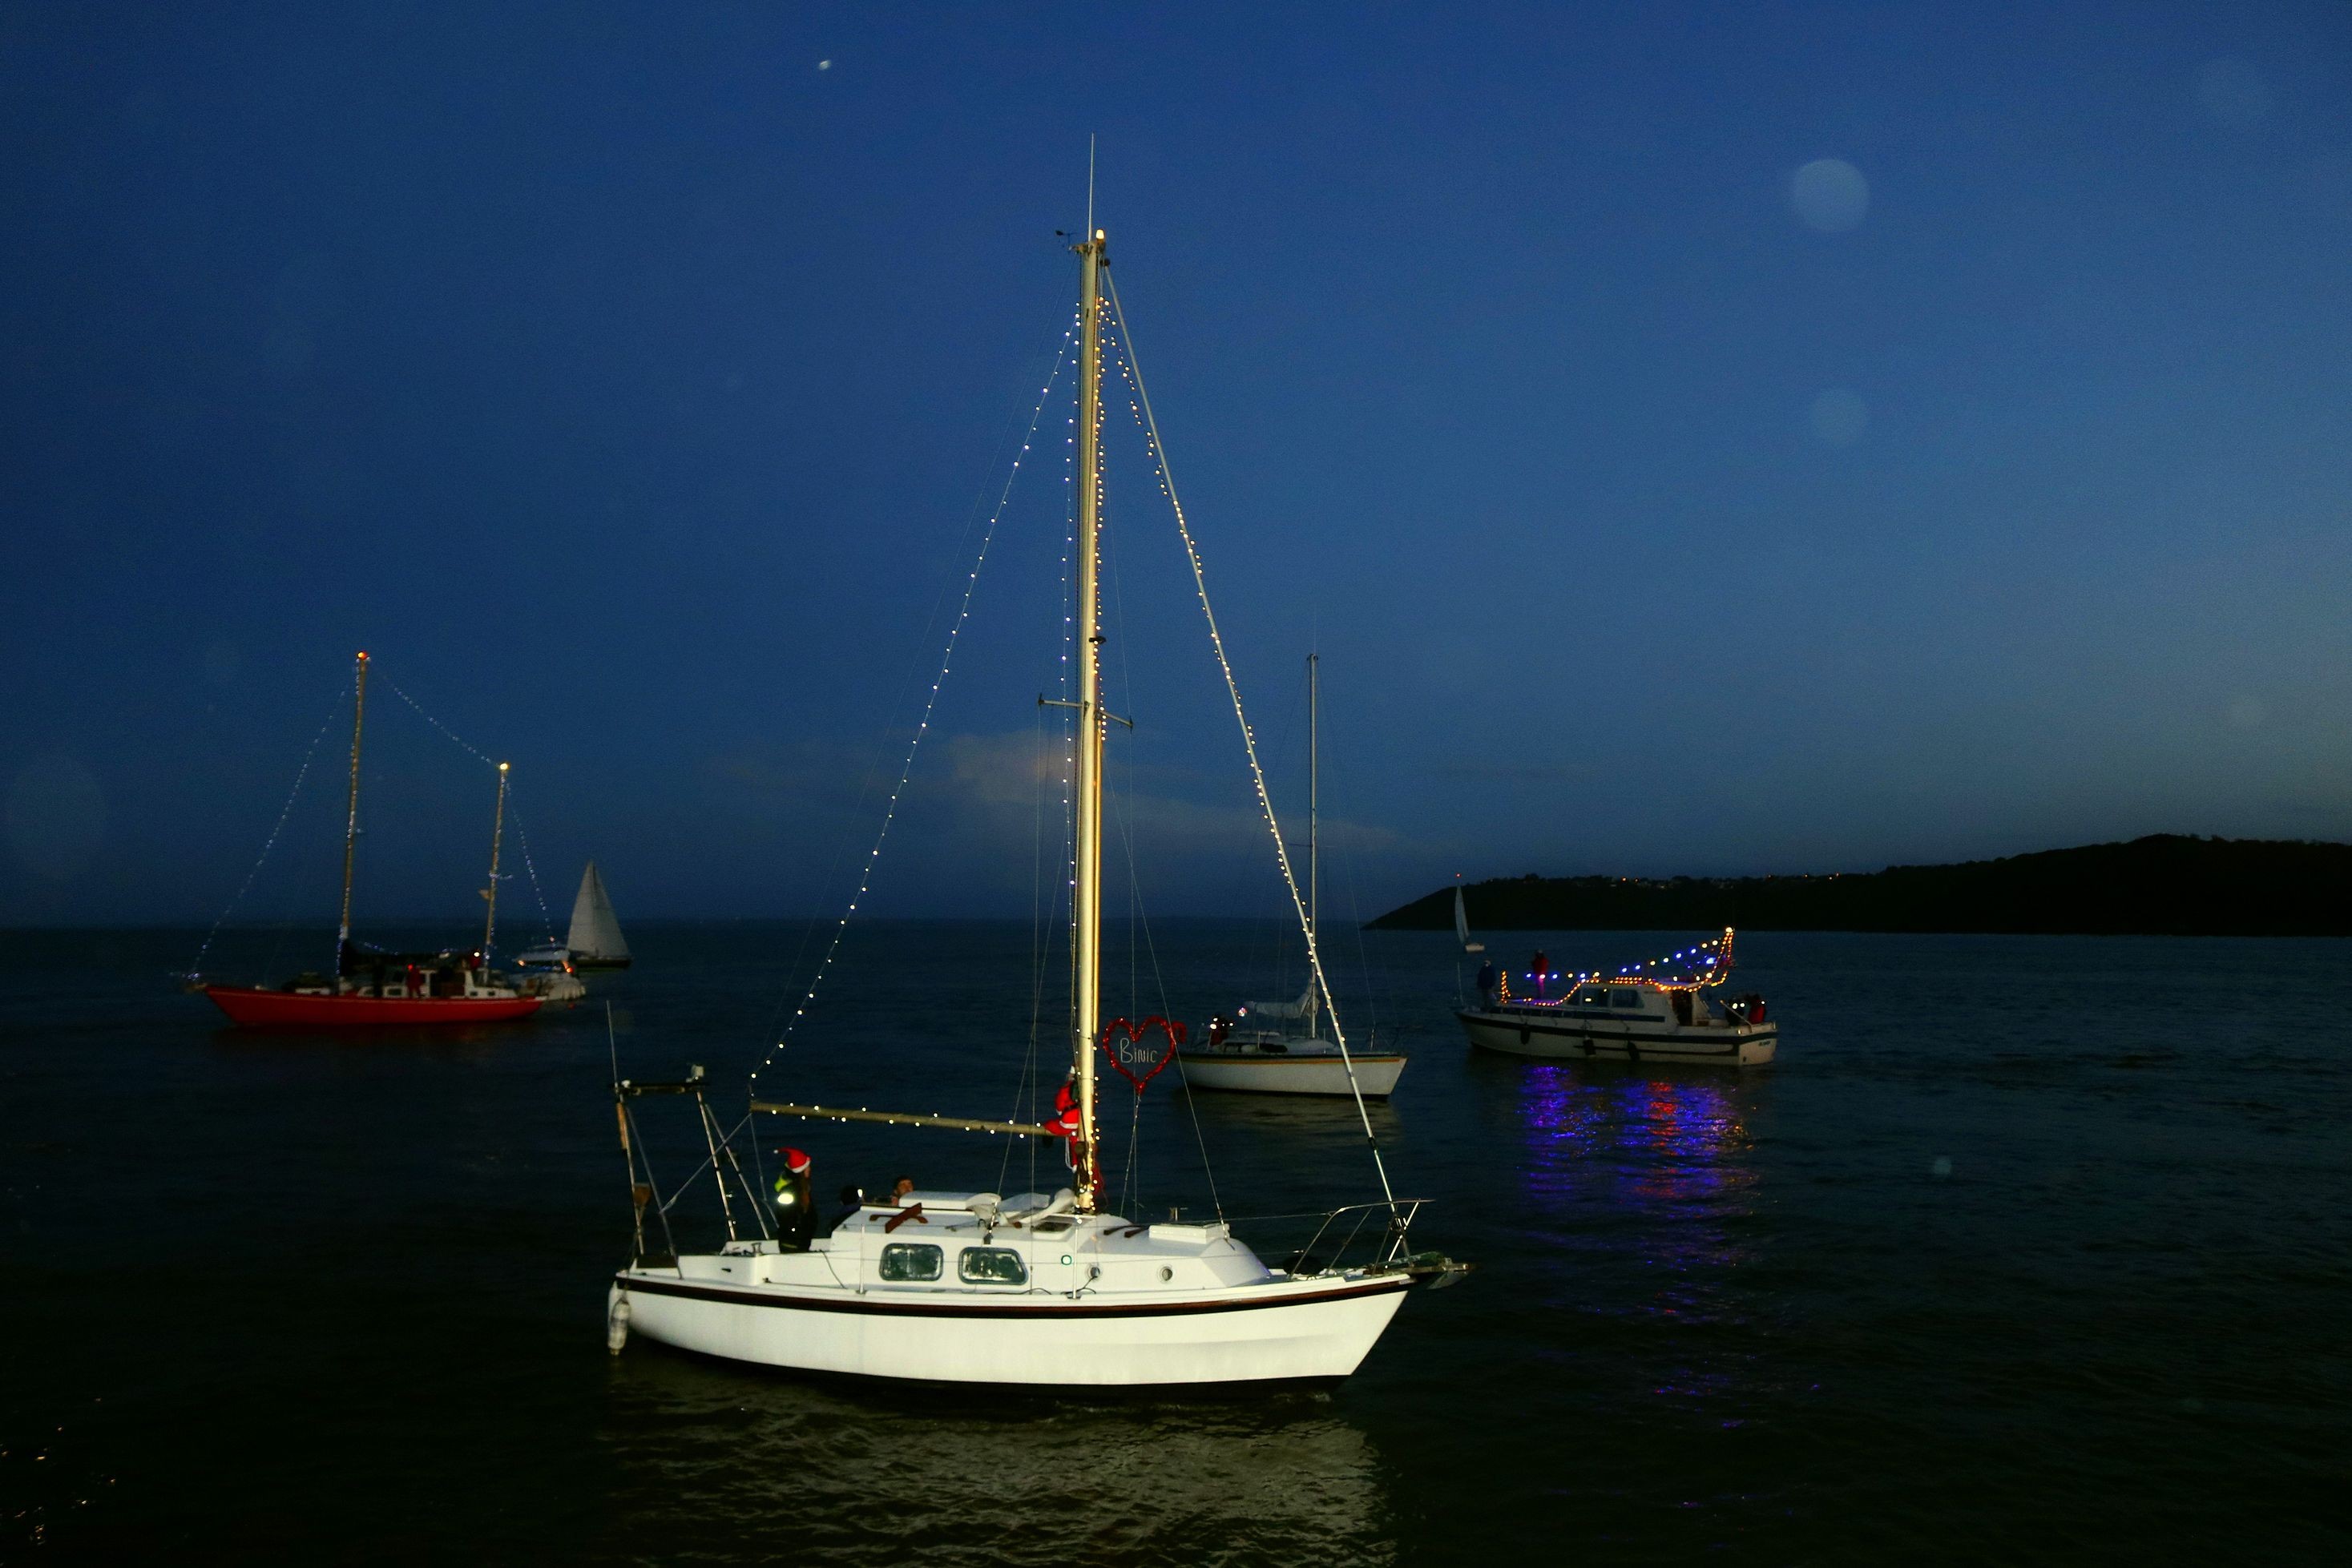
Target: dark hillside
point(2162, 886)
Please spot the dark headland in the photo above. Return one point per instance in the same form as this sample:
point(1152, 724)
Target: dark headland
point(2162, 886)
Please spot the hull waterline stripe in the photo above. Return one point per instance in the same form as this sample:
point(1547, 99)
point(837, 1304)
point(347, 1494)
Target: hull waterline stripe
point(1602, 1036)
point(1244, 1059)
point(973, 1310)
point(1659, 1046)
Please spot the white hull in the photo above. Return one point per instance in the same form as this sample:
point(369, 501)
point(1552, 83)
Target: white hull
point(1313, 1330)
point(1098, 1302)
point(1254, 1073)
point(1528, 1031)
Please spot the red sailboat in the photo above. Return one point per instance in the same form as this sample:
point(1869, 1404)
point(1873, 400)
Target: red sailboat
point(372, 986)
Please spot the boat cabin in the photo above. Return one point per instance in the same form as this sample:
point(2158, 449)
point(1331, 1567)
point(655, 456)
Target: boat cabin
point(410, 977)
point(1648, 1003)
point(981, 1244)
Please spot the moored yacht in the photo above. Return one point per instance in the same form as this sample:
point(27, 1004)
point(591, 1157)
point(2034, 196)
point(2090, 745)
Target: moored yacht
point(1276, 1047)
point(974, 1287)
point(373, 987)
point(1049, 1291)
point(1630, 1016)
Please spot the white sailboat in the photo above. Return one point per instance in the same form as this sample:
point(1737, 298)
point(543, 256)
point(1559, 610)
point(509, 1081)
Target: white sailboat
point(1040, 1290)
point(595, 941)
point(1461, 919)
point(1254, 1052)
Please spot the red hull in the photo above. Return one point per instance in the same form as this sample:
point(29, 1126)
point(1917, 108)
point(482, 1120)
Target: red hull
point(265, 1009)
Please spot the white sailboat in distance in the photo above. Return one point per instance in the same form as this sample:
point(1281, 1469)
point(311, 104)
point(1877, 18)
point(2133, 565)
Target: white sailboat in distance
point(1258, 1053)
point(1045, 1290)
point(595, 941)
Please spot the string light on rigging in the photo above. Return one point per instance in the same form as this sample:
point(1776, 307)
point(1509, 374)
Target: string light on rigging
point(333, 712)
point(922, 727)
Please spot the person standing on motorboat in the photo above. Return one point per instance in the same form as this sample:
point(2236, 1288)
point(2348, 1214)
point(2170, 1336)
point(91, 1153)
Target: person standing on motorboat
point(1487, 984)
point(1540, 971)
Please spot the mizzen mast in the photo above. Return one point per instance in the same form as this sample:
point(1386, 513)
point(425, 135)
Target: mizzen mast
point(1086, 897)
point(351, 817)
point(497, 830)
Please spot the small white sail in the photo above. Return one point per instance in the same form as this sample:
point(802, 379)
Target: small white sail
point(595, 932)
point(1303, 1008)
point(1462, 924)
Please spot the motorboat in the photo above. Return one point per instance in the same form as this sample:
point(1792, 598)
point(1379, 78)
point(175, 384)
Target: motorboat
point(1658, 1011)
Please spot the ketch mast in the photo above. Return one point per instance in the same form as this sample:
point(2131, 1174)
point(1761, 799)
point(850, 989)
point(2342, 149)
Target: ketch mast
point(1086, 897)
point(497, 830)
point(351, 817)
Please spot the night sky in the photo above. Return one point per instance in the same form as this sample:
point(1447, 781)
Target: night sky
point(1713, 439)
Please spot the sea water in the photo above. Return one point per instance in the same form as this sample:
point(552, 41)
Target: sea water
point(2022, 1248)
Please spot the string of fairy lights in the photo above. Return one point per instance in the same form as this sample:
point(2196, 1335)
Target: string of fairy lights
point(333, 712)
point(514, 810)
point(1709, 964)
point(923, 724)
point(1130, 370)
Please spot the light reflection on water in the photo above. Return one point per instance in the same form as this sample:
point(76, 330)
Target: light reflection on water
point(947, 1477)
point(1662, 1145)
point(1636, 1173)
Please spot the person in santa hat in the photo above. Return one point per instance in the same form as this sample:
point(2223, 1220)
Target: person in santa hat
point(794, 1218)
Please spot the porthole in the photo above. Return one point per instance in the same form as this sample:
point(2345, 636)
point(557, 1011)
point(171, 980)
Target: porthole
point(991, 1266)
point(1166, 1273)
point(909, 1262)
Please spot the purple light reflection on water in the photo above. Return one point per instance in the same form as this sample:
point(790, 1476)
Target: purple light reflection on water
point(1644, 1185)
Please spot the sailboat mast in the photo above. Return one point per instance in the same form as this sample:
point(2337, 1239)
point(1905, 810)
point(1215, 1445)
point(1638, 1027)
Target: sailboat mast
point(1086, 898)
point(351, 817)
point(1314, 823)
point(497, 830)
point(1314, 797)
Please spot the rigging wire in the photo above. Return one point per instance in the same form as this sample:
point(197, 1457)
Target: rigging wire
point(1041, 948)
point(1139, 917)
point(1141, 406)
point(1355, 918)
point(1192, 1108)
point(547, 921)
point(914, 675)
point(922, 726)
point(197, 966)
point(477, 752)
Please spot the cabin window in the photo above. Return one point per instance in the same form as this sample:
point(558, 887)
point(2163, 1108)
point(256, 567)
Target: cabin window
point(1625, 996)
point(1592, 996)
point(910, 1263)
point(990, 1266)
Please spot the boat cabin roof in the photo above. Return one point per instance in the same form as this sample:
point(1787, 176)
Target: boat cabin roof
point(949, 1214)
